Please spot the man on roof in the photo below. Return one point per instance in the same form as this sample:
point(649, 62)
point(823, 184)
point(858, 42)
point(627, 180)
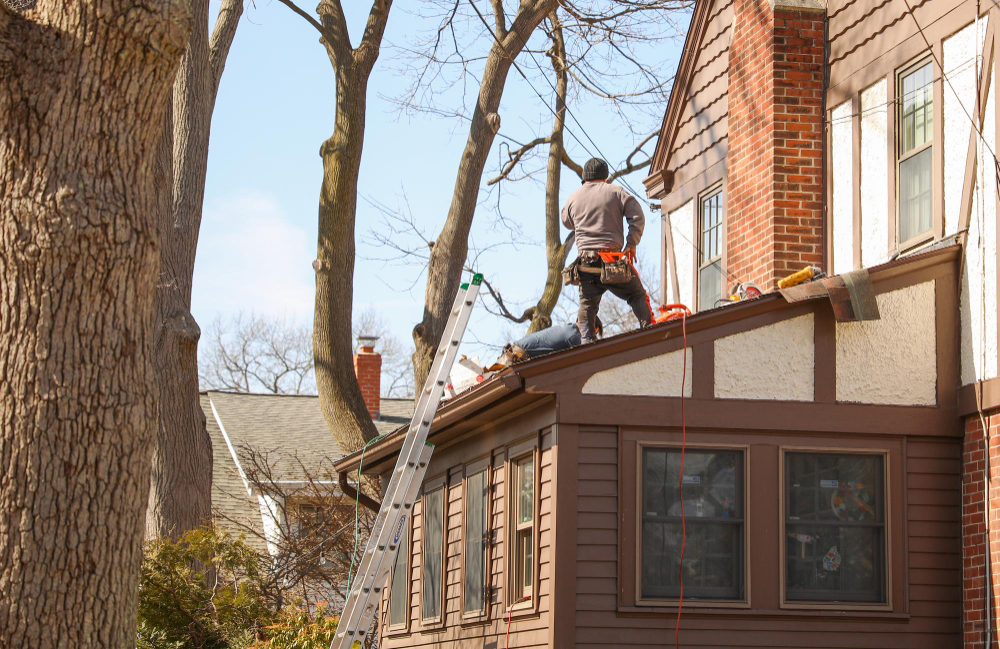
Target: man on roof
point(595, 212)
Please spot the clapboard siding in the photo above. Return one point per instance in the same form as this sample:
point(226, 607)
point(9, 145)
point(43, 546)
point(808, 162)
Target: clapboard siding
point(526, 629)
point(923, 477)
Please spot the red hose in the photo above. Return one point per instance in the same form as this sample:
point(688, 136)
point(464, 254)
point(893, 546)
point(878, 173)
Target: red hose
point(680, 481)
point(509, 609)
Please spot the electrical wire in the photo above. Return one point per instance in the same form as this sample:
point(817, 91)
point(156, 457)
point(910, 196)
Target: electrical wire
point(680, 480)
point(509, 609)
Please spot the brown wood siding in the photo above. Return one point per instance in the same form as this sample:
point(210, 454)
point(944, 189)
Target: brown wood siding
point(528, 628)
point(700, 138)
point(926, 614)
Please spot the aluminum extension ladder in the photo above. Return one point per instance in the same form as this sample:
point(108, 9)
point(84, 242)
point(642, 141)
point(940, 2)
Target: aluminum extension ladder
point(362, 605)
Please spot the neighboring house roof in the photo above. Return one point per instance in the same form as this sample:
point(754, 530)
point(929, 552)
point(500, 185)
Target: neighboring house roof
point(290, 429)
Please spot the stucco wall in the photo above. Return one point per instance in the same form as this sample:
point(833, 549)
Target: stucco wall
point(774, 362)
point(892, 360)
point(843, 189)
point(978, 305)
point(959, 64)
point(657, 376)
point(682, 231)
point(874, 175)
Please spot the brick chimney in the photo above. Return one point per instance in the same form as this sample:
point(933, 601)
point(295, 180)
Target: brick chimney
point(368, 368)
point(774, 175)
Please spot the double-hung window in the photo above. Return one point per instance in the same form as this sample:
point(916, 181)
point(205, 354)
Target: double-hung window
point(476, 512)
point(399, 586)
point(713, 510)
point(432, 557)
point(835, 528)
point(523, 527)
point(710, 259)
point(915, 144)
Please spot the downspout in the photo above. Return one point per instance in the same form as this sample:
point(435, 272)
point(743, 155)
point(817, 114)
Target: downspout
point(824, 185)
point(355, 494)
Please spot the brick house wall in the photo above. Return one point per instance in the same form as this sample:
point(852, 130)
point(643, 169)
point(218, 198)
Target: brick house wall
point(974, 528)
point(775, 188)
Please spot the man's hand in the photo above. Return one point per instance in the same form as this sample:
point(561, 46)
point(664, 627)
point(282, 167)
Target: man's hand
point(629, 252)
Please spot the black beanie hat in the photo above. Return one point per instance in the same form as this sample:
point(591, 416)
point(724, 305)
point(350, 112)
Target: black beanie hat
point(595, 169)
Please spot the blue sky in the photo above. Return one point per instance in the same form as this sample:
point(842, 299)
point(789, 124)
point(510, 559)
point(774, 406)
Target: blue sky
point(276, 106)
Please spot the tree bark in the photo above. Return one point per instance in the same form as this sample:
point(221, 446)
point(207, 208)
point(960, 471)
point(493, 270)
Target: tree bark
point(180, 496)
point(556, 250)
point(447, 258)
point(339, 393)
point(83, 90)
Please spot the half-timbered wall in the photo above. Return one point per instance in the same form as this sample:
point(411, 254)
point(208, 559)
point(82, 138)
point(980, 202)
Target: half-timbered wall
point(868, 47)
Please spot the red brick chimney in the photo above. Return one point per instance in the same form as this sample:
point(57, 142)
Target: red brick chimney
point(368, 367)
point(774, 174)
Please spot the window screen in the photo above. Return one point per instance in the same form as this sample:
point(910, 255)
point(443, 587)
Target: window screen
point(400, 585)
point(834, 527)
point(474, 600)
point(713, 508)
point(432, 568)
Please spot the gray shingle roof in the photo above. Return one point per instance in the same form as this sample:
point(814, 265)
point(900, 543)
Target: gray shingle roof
point(292, 432)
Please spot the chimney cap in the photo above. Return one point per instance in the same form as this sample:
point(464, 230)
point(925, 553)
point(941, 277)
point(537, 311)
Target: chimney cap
point(367, 341)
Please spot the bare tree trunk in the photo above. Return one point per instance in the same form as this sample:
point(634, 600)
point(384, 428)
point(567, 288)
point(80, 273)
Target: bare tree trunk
point(556, 249)
point(180, 496)
point(83, 90)
point(447, 258)
point(339, 393)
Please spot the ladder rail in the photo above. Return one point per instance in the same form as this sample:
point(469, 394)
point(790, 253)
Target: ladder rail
point(407, 477)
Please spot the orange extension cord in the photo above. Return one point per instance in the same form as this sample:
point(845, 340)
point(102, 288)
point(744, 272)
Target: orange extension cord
point(680, 480)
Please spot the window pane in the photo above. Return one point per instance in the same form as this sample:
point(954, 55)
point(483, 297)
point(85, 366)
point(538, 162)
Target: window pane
point(713, 508)
point(398, 589)
point(475, 542)
point(525, 490)
point(431, 568)
point(916, 108)
point(525, 552)
point(915, 195)
point(835, 528)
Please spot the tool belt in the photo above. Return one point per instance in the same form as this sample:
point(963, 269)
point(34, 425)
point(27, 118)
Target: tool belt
point(590, 262)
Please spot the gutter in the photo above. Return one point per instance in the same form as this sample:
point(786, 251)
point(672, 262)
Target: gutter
point(357, 495)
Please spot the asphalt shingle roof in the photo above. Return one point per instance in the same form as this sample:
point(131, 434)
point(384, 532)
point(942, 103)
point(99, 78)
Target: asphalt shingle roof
point(292, 432)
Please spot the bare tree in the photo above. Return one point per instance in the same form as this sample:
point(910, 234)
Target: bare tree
point(597, 22)
point(257, 353)
point(585, 66)
point(314, 529)
point(339, 393)
point(180, 496)
point(83, 92)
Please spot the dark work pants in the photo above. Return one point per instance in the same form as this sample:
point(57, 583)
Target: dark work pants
point(592, 290)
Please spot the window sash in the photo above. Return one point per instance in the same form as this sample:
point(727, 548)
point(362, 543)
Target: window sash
point(805, 554)
point(916, 107)
point(523, 527)
point(432, 559)
point(710, 226)
point(914, 143)
point(916, 194)
point(477, 509)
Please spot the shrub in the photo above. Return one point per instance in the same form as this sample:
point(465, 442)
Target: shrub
point(297, 628)
point(203, 591)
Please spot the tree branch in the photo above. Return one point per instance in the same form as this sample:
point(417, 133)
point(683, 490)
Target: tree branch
point(629, 167)
point(334, 29)
point(574, 167)
point(222, 39)
point(527, 315)
point(367, 51)
point(500, 18)
point(515, 157)
point(324, 34)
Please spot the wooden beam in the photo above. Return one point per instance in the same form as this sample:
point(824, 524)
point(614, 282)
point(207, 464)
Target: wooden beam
point(965, 211)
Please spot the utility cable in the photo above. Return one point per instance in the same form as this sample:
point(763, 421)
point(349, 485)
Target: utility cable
point(680, 480)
